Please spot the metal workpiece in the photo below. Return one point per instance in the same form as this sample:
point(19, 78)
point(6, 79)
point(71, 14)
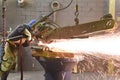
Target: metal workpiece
point(44, 51)
point(57, 63)
point(57, 68)
point(79, 31)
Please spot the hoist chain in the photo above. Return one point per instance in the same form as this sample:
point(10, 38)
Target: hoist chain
point(4, 20)
point(76, 14)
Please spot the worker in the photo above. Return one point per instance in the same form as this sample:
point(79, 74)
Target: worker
point(8, 52)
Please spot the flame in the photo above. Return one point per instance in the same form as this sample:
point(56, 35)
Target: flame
point(98, 51)
point(107, 44)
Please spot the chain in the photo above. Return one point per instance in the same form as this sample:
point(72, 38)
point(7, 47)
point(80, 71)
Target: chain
point(4, 20)
point(76, 19)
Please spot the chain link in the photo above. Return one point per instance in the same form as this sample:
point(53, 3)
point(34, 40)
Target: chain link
point(76, 14)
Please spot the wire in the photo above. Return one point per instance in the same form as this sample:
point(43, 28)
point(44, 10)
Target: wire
point(45, 17)
point(64, 7)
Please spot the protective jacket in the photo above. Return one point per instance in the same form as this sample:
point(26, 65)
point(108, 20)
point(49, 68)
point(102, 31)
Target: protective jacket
point(8, 54)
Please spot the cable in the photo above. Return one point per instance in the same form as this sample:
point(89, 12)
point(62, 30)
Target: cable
point(45, 17)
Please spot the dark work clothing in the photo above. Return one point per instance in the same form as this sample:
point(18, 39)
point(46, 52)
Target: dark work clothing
point(5, 75)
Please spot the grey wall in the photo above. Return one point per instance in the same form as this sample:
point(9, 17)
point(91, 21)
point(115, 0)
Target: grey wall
point(89, 10)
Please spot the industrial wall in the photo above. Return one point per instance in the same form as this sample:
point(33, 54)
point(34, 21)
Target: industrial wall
point(89, 10)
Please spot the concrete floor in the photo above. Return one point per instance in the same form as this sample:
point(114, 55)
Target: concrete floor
point(28, 75)
point(39, 75)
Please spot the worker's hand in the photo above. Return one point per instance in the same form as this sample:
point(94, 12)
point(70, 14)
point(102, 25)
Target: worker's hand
point(26, 43)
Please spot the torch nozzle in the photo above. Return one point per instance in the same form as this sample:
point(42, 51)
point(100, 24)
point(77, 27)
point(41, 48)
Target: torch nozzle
point(41, 47)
